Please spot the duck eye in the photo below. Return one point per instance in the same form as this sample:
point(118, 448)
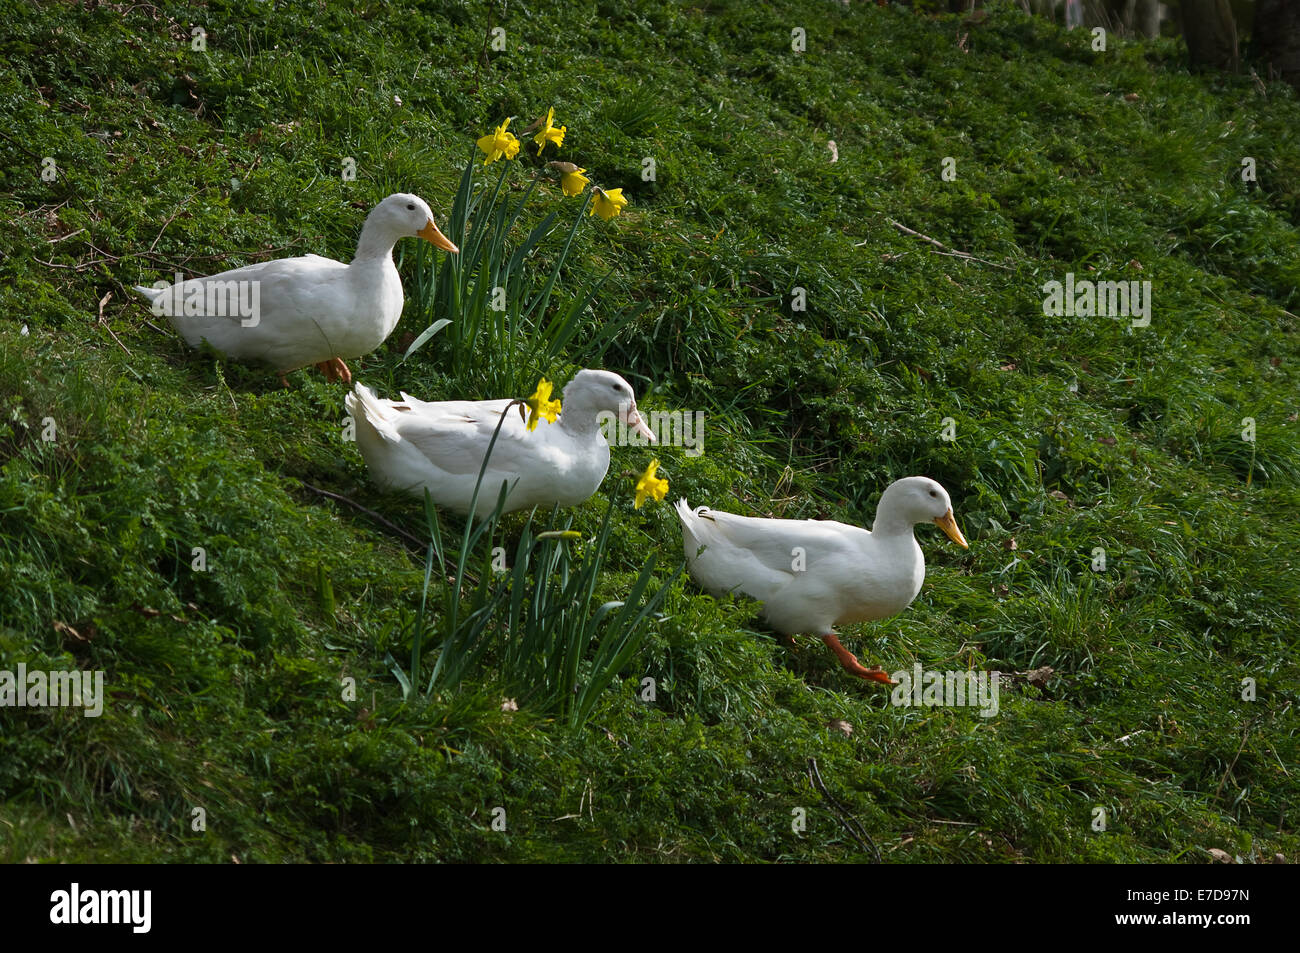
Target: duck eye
point(932, 493)
point(410, 207)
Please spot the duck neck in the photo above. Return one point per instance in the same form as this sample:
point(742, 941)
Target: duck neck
point(579, 421)
point(890, 523)
point(375, 244)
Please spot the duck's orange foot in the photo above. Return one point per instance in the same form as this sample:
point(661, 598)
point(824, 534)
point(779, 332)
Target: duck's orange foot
point(851, 663)
point(335, 370)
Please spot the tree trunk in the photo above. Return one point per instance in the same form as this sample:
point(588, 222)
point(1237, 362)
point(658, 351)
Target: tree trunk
point(1142, 17)
point(1211, 34)
point(1277, 33)
point(1125, 17)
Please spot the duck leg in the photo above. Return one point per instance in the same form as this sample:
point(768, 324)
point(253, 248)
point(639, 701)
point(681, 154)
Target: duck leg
point(851, 663)
point(335, 370)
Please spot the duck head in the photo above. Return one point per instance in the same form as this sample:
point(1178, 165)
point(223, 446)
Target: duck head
point(593, 391)
point(403, 215)
point(917, 499)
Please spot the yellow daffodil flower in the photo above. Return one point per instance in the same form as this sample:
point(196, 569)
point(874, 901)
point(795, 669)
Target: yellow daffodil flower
point(650, 485)
point(572, 181)
point(607, 203)
point(499, 143)
point(540, 405)
point(549, 133)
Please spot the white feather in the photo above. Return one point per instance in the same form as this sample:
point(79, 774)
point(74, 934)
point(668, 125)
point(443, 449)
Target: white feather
point(414, 445)
point(310, 309)
point(812, 575)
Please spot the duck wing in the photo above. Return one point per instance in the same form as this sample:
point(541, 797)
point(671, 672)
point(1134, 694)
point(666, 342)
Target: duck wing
point(470, 409)
point(454, 435)
point(288, 312)
point(761, 557)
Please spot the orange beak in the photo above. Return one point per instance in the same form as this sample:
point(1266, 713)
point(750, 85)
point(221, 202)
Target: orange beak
point(949, 526)
point(430, 233)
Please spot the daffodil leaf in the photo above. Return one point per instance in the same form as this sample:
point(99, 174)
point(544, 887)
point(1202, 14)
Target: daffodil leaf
point(427, 333)
point(398, 674)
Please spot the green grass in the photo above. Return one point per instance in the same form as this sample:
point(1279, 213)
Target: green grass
point(228, 689)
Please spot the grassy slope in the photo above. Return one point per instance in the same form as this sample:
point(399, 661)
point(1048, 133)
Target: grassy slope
point(229, 698)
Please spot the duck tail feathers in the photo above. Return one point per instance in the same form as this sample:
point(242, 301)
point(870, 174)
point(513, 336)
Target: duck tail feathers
point(158, 298)
point(687, 514)
point(369, 412)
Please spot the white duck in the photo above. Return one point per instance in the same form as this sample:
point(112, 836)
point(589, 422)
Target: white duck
point(812, 575)
point(412, 445)
point(292, 312)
